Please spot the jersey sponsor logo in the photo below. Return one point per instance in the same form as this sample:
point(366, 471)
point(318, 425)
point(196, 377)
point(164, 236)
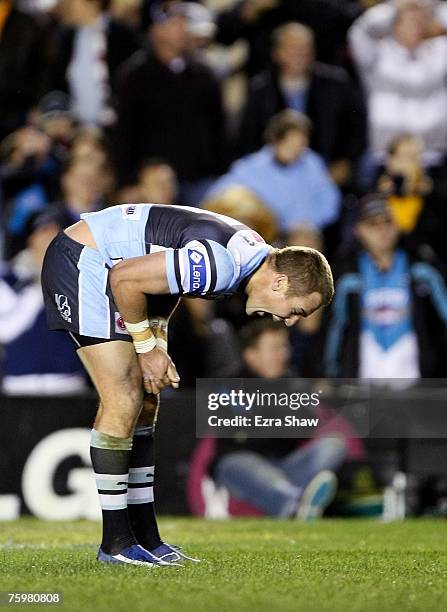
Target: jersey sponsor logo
point(120, 328)
point(63, 307)
point(131, 211)
point(195, 256)
point(197, 270)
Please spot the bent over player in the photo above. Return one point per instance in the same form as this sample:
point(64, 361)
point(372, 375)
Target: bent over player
point(112, 280)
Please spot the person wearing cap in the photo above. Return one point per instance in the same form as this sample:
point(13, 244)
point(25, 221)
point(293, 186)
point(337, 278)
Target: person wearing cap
point(34, 360)
point(389, 315)
point(55, 119)
point(31, 159)
point(170, 105)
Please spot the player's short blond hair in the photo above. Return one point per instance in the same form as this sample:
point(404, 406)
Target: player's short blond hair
point(307, 269)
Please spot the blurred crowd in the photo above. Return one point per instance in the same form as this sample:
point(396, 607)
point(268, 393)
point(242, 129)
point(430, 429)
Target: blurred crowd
point(317, 122)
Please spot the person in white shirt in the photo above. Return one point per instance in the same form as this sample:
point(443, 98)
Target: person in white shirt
point(400, 49)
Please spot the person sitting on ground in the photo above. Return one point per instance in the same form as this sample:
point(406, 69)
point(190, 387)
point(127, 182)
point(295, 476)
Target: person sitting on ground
point(273, 474)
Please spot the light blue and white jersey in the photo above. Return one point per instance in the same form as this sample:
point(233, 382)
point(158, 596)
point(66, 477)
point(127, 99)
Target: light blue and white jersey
point(207, 254)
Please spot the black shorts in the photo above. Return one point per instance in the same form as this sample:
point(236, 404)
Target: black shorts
point(78, 297)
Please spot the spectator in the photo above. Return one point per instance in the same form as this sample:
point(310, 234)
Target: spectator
point(402, 61)
point(24, 155)
point(34, 154)
point(157, 182)
point(242, 204)
point(272, 474)
point(170, 105)
point(89, 144)
point(416, 199)
point(24, 64)
point(127, 11)
point(254, 21)
point(290, 178)
point(85, 183)
point(200, 25)
point(89, 54)
point(389, 315)
point(35, 360)
point(201, 29)
point(31, 163)
point(54, 118)
point(325, 93)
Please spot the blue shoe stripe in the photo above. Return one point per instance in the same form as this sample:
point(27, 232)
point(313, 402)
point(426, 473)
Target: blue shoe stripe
point(134, 554)
point(322, 494)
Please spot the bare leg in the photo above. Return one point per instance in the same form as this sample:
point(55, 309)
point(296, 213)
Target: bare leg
point(141, 505)
point(114, 370)
point(116, 375)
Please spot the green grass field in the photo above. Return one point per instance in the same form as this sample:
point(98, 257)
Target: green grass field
point(249, 565)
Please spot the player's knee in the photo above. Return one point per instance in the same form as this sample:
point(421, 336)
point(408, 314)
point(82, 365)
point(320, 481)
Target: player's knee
point(128, 390)
point(127, 401)
point(118, 418)
point(121, 404)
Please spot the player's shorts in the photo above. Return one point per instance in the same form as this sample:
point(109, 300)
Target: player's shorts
point(77, 293)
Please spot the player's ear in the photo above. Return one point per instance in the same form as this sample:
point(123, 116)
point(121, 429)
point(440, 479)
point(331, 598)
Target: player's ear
point(280, 282)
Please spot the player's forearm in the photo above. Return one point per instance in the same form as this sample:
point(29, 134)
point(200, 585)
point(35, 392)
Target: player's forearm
point(131, 303)
point(131, 280)
point(130, 300)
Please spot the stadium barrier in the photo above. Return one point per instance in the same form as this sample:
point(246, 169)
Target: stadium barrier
point(45, 467)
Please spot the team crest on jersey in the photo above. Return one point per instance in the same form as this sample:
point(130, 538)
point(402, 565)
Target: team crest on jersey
point(131, 211)
point(197, 270)
point(63, 307)
point(251, 237)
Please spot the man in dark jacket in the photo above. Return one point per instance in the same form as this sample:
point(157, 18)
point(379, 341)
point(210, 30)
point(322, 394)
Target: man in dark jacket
point(170, 105)
point(389, 315)
point(89, 53)
point(254, 21)
point(23, 65)
point(324, 93)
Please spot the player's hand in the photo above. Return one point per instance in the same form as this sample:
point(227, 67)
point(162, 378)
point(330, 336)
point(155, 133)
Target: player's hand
point(158, 370)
